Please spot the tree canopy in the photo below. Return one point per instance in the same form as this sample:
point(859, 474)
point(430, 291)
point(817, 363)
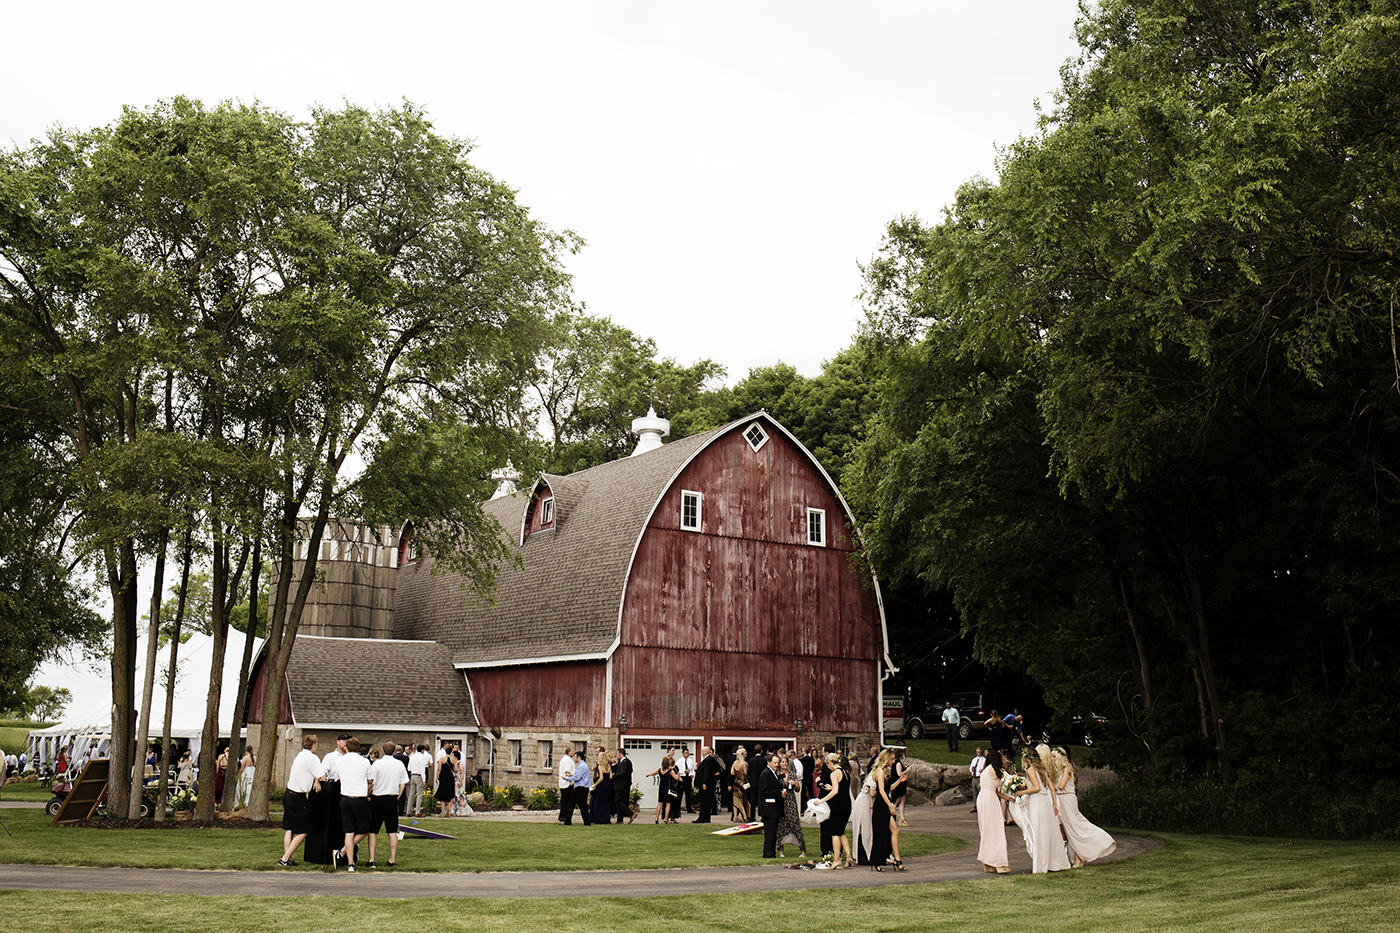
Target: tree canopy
point(1140, 411)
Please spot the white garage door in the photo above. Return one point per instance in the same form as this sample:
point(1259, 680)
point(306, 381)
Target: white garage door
point(646, 755)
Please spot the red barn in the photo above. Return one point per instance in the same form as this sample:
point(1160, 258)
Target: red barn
point(700, 592)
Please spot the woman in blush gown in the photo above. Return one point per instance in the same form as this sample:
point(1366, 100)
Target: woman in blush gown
point(992, 852)
point(1046, 846)
point(863, 822)
point(1085, 841)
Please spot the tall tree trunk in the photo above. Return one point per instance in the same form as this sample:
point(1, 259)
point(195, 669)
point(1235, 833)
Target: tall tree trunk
point(1142, 670)
point(281, 635)
point(121, 575)
point(1201, 648)
point(148, 685)
point(223, 591)
point(240, 705)
point(164, 793)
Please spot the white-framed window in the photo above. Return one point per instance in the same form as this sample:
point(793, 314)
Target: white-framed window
point(690, 510)
point(546, 759)
point(516, 753)
point(816, 527)
point(756, 436)
point(546, 511)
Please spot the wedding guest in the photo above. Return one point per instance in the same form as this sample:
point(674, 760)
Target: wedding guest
point(838, 798)
point(622, 787)
point(387, 779)
point(739, 781)
point(418, 764)
point(303, 778)
point(355, 818)
point(1084, 841)
point(992, 851)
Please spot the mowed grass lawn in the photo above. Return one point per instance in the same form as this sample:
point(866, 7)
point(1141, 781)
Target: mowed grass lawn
point(1192, 883)
point(482, 845)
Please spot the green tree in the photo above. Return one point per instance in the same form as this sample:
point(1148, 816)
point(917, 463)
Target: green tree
point(1142, 388)
point(227, 304)
point(595, 377)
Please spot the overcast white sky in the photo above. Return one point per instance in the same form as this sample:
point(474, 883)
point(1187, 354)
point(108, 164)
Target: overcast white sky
point(729, 164)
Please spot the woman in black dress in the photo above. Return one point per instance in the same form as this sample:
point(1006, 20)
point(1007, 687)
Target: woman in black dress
point(837, 794)
point(899, 785)
point(445, 787)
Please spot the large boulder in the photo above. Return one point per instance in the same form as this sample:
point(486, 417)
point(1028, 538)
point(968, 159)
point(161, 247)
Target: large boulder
point(932, 778)
point(954, 796)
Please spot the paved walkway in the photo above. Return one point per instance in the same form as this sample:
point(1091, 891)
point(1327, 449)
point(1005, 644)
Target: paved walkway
point(944, 821)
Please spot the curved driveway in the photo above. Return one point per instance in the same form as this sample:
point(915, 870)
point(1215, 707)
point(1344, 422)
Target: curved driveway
point(946, 821)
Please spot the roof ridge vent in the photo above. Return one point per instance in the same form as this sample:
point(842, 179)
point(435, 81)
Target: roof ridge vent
point(649, 430)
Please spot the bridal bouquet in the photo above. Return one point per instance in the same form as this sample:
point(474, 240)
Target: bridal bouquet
point(1011, 783)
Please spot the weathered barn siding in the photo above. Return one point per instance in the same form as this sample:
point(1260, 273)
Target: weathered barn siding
point(565, 694)
point(753, 626)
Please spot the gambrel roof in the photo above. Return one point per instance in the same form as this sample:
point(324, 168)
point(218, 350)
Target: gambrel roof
point(565, 604)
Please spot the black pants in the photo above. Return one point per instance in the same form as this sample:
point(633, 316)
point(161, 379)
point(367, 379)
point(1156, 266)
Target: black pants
point(770, 834)
point(952, 731)
point(578, 797)
point(686, 790)
point(565, 793)
point(707, 804)
point(622, 803)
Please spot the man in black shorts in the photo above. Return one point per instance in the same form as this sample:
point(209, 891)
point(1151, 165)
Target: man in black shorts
point(355, 817)
point(304, 777)
point(387, 780)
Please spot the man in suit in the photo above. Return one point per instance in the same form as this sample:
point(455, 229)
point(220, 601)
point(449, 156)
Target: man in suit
point(770, 805)
point(622, 785)
point(707, 778)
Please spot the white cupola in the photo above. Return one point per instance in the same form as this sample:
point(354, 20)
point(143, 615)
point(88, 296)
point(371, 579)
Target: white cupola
point(649, 430)
point(507, 479)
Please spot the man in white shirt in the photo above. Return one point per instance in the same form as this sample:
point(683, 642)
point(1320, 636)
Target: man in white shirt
point(355, 819)
point(387, 780)
point(686, 767)
point(304, 777)
point(979, 762)
point(950, 724)
point(566, 783)
point(418, 764)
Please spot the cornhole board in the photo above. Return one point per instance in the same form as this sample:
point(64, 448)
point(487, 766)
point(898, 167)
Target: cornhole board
point(740, 829)
point(425, 833)
point(87, 792)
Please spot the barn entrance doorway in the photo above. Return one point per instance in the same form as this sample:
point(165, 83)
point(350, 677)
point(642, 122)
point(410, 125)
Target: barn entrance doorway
point(646, 755)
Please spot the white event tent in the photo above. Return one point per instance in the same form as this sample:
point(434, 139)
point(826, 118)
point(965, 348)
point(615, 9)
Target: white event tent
point(83, 728)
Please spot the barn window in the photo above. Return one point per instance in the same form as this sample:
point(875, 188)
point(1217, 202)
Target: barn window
point(546, 511)
point(515, 754)
point(756, 436)
point(690, 510)
point(546, 756)
point(816, 527)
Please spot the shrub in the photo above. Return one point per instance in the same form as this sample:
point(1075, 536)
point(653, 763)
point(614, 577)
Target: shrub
point(430, 803)
point(508, 796)
point(1247, 808)
point(543, 798)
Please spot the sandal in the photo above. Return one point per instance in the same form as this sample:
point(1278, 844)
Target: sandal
point(898, 865)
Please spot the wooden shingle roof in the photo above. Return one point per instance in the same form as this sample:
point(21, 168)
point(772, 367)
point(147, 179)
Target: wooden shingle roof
point(375, 682)
point(565, 603)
